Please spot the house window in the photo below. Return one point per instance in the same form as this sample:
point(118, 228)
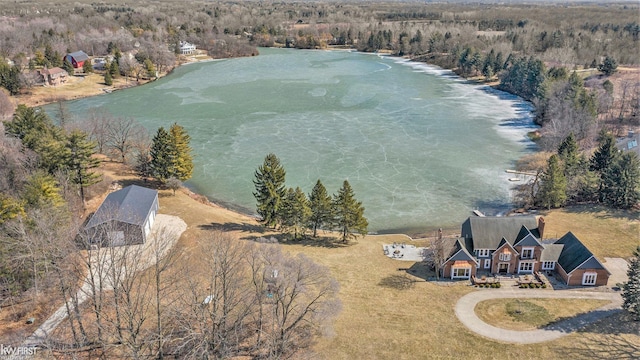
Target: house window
point(505, 256)
point(483, 252)
point(526, 267)
point(461, 273)
point(589, 278)
point(548, 265)
point(487, 263)
point(527, 253)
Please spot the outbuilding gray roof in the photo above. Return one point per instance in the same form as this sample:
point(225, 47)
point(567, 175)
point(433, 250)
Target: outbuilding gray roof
point(79, 55)
point(129, 205)
point(574, 254)
point(487, 231)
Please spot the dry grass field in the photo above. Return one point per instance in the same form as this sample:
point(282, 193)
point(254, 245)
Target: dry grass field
point(531, 314)
point(388, 313)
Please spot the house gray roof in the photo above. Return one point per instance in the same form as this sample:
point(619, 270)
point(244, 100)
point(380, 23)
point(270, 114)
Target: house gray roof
point(574, 254)
point(551, 252)
point(526, 238)
point(130, 205)
point(487, 231)
point(504, 242)
point(458, 251)
point(79, 55)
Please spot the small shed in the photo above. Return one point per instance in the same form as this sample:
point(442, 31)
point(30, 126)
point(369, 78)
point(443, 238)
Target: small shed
point(125, 217)
point(77, 59)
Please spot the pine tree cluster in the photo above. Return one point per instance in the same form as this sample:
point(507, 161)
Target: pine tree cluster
point(608, 176)
point(295, 213)
point(170, 155)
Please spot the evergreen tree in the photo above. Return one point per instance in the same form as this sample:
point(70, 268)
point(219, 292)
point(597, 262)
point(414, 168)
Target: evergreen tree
point(553, 185)
point(621, 182)
point(86, 67)
point(143, 165)
point(114, 69)
point(151, 70)
point(38, 133)
point(182, 160)
point(349, 213)
point(66, 65)
point(609, 66)
point(41, 189)
point(321, 209)
point(270, 192)
point(10, 208)
point(10, 78)
point(161, 155)
point(570, 156)
point(631, 289)
point(603, 158)
point(81, 161)
point(295, 212)
point(108, 80)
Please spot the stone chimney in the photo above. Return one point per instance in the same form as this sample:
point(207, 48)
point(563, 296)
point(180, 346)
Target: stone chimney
point(541, 226)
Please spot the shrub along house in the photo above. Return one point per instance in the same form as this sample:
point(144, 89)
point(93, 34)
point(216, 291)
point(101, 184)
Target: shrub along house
point(512, 245)
point(125, 217)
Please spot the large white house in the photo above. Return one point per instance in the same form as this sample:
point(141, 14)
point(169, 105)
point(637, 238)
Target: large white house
point(187, 48)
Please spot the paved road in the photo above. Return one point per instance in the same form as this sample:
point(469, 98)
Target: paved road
point(166, 231)
point(466, 313)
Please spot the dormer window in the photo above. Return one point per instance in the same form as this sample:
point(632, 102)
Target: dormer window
point(527, 253)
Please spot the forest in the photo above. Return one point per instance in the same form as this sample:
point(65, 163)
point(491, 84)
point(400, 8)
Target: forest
point(576, 63)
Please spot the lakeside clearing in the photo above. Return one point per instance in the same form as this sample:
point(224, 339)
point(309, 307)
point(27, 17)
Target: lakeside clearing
point(381, 321)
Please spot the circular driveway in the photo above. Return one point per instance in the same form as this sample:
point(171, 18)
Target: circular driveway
point(465, 311)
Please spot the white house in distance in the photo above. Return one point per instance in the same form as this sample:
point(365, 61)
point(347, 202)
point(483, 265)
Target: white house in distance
point(125, 217)
point(187, 48)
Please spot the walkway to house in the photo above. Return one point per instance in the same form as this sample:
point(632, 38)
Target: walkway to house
point(166, 232)
point(465, 311)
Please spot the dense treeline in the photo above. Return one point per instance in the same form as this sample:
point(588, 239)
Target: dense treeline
point(513, 43)
point(293, 212)
point(49, 167)
point(570, 176)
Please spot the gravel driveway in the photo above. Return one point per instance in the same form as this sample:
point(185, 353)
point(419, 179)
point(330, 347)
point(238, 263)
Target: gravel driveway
point(465, 311)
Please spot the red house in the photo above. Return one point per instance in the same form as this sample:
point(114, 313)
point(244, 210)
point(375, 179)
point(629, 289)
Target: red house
point(77, 59)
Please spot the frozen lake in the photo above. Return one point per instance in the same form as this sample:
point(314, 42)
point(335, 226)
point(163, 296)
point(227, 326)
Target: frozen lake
point(420, 147)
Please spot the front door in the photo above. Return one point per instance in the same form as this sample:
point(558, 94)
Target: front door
point(503, 268)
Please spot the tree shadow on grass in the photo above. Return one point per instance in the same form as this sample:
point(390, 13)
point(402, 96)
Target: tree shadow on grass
point(397, 282)
point(323, 241)
point(602, 212)
point(421, 270)
point(614, 337)
point(233, 226)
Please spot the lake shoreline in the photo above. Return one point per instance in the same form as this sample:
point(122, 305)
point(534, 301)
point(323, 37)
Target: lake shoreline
point(416, 227)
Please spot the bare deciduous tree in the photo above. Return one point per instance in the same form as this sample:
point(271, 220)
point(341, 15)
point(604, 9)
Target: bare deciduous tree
point(6, 106)
point(124, 135)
